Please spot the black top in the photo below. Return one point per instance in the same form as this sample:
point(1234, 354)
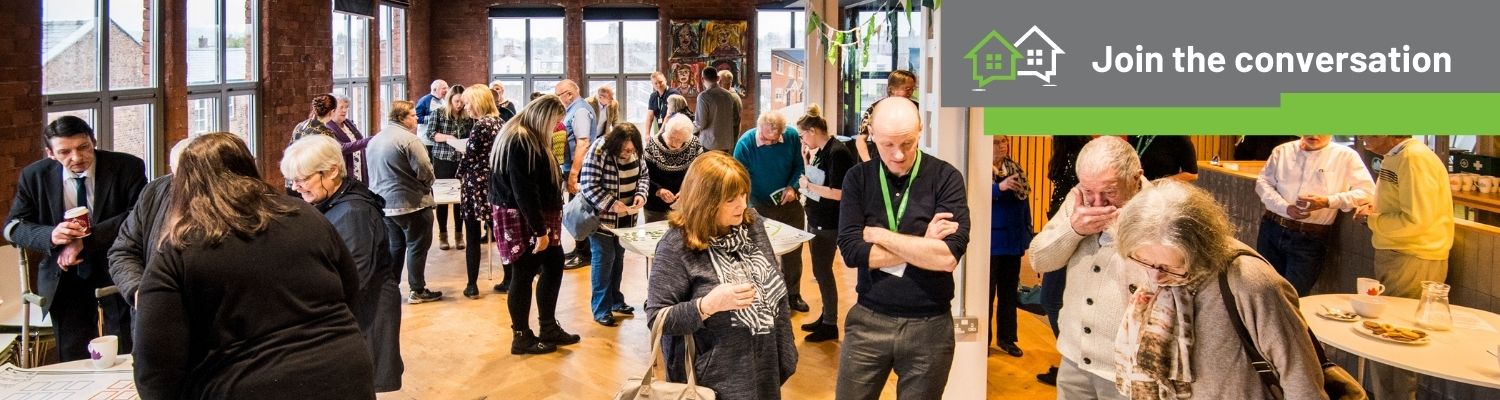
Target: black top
point(225, 323)
point(1164, 155)
point(835, 159)
point(128, 256)
point(938, 188)
point(1254, 147)
point(507, 111)
point(529, 183)
point(1062, 168)
point(657, 103)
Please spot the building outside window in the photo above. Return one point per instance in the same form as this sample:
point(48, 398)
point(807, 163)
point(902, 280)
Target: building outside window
point(99, 63)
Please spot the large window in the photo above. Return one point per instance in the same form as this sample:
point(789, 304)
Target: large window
point(221, 72)
point(392, 57)
point(896, 45)
point(351, 64)
point(622, 54)
point(109, 80)
point(781, 40)
point(527, 53)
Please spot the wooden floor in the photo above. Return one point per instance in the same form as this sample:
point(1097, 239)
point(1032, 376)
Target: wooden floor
point(459, 348)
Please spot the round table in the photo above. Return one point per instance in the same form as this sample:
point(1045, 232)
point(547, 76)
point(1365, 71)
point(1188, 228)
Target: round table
point(1458, 355)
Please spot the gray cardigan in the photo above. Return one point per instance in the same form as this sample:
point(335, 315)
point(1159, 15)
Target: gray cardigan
point(731, 361)
point(400, 171)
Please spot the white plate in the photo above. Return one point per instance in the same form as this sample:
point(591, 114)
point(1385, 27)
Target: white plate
point(1352, 317)
point(1362, 330)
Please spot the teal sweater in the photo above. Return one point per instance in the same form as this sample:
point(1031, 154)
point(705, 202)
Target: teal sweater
point(771, 167)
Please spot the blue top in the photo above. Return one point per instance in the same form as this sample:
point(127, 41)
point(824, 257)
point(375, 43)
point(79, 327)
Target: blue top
point(1010, 222)
point(578, 114)
point(771, 167)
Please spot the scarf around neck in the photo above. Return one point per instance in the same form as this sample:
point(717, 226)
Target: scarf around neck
point(737, 259)
point(666, 159)
point(1154, 347)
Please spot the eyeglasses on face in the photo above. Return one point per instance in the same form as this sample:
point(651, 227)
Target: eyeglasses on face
point(1158, 267)
point(303, 179)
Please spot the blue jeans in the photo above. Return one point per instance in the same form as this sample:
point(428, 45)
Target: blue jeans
point(1297, 256)
point(608, 261)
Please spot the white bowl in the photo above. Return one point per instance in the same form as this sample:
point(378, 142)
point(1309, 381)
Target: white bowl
point(1367, 306)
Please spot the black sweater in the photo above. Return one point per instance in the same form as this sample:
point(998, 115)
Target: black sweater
point(528, 183)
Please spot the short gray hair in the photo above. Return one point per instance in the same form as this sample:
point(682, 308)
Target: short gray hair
point(1183, 217)
point(679, 124)
point(773, 118)
point(1109, 153)
point(311, 154)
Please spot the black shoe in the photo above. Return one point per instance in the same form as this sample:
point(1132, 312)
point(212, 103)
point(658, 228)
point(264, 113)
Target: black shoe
point(813, 326)
point(502, 287)
point(526, 343)
point(574, 261)
point(822, 333)
point(554, 334)
point(798, 305)
point(1049, 378)
point(1010, 348)
point(623, 309)
point(607, 320)
point(472, 292)
point(423, 296)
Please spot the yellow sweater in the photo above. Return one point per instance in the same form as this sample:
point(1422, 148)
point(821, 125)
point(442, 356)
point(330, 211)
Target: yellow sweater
point(1413, 205)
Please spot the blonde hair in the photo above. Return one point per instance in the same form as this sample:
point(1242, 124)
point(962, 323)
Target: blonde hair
point(813, 120)
point(676, 104)
point(479, 103)
point(713, 179)
point(532, 127)
point(312, 154)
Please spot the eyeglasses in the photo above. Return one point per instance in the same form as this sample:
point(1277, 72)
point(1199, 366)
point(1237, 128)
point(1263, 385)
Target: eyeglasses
point(303, 180)
point(1159, 267)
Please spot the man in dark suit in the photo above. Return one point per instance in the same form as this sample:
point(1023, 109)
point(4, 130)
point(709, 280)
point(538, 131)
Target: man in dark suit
point(74, 174)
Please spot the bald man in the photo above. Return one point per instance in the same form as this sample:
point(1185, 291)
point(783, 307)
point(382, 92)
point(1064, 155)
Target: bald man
point(903, 223)
point(581, 123)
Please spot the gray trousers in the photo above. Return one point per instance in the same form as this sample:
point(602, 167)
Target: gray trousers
point(1402, 276)
point(411, 234)
point(920, 350)
point(791, 263)
point(1074, 383)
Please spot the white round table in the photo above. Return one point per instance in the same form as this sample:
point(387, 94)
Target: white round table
point(1458, 355)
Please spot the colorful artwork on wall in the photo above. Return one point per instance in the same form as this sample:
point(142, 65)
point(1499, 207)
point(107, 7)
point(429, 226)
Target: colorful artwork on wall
point(698, 44)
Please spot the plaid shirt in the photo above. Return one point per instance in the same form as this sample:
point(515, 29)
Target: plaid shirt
point(440, 122)
point(599, 183)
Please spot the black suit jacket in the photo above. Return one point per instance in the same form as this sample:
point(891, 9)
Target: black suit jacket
point(38, 208)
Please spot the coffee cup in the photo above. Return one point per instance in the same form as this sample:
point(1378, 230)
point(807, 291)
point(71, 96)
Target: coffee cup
point(80, 216)
point(103, 351)
point(1369, 287)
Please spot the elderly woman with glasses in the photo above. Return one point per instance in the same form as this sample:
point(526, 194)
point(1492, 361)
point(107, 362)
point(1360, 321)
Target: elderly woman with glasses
point(1177, 338)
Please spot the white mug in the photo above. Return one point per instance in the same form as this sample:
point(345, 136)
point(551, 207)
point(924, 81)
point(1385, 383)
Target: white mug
point(1369, 286)
point(103, 350)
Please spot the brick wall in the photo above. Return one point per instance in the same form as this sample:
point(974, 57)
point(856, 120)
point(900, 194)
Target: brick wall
point(174, 73)
point(296, 62)
point(418, 52)
point(20, 93)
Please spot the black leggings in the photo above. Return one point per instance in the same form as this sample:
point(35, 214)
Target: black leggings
point(472, 251)
point(549, 265)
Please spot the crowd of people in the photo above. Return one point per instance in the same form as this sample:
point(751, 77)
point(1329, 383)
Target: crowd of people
point(1133, 255)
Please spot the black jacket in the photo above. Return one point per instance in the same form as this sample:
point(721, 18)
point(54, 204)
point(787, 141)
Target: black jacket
point(355, 213)
point(127, 257)
point(38, 208)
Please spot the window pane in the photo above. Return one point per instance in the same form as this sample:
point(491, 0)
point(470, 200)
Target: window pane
point(880, 52)
point(773, 31)
point(242, 117)
point(398, 41)
point(547, 46)
point(359, 109)
point(239, 37)
point(203, 115)
point(340, 45)
point(799, 30)
point(87, 114)
point(594, 85)
point(359, 47)
point(70, 48)
point(385, 41)
point(640, 46)
point(544, 86)
point(132, 129)
point(869, 91)
point(909, 45)
point(636, 94)
point(508, 46)
point(202, 42)
point(385, 101)
point(602, 44)
point(765, 95)
point(129, 49)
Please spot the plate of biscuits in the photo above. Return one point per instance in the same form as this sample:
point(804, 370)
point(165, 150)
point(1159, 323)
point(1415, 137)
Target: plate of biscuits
point(1393, 333)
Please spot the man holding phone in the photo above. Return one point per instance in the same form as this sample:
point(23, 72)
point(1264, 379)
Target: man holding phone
point(772, 153)
point(1303, 186)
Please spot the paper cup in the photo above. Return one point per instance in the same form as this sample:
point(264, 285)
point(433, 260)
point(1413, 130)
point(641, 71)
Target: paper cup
point(80, 215)
point(103, 351)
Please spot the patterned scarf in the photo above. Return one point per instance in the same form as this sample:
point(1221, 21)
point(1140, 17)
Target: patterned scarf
point(666, 159)
point(1155, 342)
point(737, 259)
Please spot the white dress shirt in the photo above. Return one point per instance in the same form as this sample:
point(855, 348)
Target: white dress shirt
point(1335, 171)
point(70, 189)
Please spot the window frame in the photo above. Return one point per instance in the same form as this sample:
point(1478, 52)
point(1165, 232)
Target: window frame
point(529, 78)
point(360, 113)
point(392, 84)
point(766, 95)
point(619, 78)
point(223, 89)
point(852, 18)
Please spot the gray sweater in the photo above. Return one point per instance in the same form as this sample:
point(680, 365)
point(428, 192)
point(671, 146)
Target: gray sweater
point(400, 171)
point(718, 119)
point(731, 361)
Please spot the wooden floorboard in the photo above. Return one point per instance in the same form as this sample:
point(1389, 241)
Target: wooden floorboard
point(459, 348)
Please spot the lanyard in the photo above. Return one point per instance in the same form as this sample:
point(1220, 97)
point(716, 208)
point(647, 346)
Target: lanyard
point(1145, 143)
point(892, 217)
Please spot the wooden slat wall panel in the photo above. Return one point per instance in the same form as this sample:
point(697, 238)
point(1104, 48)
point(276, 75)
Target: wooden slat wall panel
point(1208, 146)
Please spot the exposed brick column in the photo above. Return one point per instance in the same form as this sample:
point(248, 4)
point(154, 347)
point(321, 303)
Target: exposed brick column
point(20, 93)
point(296, 59)
point(174, 73)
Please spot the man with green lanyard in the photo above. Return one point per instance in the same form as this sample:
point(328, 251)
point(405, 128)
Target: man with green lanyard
point(1166, 156)
point(904, 223)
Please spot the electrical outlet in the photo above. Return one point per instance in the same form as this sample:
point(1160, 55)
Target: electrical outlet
point(965, 325)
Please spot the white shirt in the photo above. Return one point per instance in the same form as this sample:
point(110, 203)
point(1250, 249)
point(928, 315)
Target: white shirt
point(1335, 171)
point(70, 188)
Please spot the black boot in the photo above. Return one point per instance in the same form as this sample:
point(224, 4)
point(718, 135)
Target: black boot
point(1049, 378)
point(822, 333)
point(555, 335)
point(812, 326)
point(526, 343)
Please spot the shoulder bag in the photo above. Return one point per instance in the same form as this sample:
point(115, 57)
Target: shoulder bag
point(653, 384)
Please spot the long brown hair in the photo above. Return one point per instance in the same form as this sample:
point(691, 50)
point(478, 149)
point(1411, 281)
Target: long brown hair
point(217, 192)
point(713, 179)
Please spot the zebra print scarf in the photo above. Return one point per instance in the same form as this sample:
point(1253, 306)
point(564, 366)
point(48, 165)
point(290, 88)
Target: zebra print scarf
point(737, 259)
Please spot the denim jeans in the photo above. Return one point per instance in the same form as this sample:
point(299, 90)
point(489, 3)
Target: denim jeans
point(411, 235)
point(608, 261)
point(1297, 256)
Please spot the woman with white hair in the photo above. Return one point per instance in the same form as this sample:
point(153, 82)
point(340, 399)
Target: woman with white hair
point(355, 212)
point(1178, 338)
point(667, 158)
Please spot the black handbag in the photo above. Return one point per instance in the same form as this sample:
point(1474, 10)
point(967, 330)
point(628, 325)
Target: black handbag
point(1338, 384)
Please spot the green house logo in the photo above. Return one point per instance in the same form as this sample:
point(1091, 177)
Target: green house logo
point(996, 59)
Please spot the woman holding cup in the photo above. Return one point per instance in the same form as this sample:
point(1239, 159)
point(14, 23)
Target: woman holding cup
point(715, 276)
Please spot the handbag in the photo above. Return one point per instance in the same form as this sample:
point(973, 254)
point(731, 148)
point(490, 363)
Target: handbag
point(1338, 384)
point(653, 385)
point(579, 217)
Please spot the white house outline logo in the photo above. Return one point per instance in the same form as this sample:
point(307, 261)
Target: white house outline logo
point(994, 58)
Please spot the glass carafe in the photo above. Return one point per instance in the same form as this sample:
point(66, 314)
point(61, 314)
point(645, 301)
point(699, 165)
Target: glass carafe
point(1433, 311)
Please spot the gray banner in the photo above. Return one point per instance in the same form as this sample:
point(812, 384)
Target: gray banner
point(1051, 52)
